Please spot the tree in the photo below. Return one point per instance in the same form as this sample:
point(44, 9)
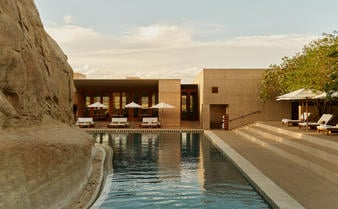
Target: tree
point(315, 67)
point(332, 84)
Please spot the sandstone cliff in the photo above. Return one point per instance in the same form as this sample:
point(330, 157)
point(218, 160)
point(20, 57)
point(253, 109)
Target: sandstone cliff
point(35, 78)
point(44, 161)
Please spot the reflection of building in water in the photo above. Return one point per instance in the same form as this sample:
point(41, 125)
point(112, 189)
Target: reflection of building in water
point(132, 148)
point(217, 168)
point(169, 153)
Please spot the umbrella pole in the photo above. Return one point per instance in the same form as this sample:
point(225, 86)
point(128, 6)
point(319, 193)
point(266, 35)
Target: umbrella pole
point(132, 118)
point(306, 110)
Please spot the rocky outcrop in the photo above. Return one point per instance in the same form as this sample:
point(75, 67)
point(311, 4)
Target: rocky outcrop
point(35, 77)
point(44, 161)
point(44, 167)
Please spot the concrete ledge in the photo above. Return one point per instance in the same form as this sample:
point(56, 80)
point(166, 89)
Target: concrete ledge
point(141, 130)
point(277, 197)
point(291, 143)
point(323, 172)
point(312, 139)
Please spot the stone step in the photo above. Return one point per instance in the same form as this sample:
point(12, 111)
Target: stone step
point(311, 139)
point(319, 157)
point(322, 168)
point(307, 187)
point(321, 152)
point(300, 140)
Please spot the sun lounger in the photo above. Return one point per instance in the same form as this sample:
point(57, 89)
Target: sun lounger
point(323, 120)
point(118, 123)
point(85, 122)
point(150, 123)
point(302, 118)
point(328, 129)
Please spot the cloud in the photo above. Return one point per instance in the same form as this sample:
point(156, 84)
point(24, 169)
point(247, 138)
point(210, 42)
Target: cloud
point(156, 34)
point(167, 51)
point(67, 19)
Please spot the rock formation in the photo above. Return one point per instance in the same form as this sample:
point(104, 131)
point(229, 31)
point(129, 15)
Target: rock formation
point(44, 161)
point(35, 77)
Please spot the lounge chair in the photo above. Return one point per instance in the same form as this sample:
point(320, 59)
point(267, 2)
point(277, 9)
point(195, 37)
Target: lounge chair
point(118, 123)
point(150, 123)
point(323, 120)
point(302, 118)
point(85, 122)
point(328, 129)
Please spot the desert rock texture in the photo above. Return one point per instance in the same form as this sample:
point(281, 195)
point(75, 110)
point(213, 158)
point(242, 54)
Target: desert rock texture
point(45, 162)
point(35, 78)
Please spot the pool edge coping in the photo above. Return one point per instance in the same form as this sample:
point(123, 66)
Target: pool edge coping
point(271, 192)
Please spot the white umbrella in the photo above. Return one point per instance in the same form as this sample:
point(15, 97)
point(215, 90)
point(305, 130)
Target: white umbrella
point(300, 94)
point(97, 105)
point(162, 105)
point(324, 95)
point(132, 105)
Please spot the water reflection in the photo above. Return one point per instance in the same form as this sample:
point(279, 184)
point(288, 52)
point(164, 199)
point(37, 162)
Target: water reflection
point(174, 171)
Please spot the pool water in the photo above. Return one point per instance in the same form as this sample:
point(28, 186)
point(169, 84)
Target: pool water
point(174, 171)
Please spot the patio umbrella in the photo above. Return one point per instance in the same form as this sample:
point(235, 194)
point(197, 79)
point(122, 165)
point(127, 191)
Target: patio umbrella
point(300, 94)
point(324, 95)
point(132, 105)
point(162, 105)
point(97, 105)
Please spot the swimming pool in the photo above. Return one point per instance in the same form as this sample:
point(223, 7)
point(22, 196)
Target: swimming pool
point(175, 170)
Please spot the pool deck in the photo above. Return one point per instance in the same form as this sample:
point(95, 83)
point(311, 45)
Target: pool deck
point(312, 182)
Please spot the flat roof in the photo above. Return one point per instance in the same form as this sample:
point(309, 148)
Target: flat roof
point(108, 84)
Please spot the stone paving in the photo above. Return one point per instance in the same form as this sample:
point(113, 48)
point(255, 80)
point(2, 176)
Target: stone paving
point(291, 158)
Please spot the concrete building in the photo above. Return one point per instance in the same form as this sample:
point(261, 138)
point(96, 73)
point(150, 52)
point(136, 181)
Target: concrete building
point(218, 98)
point(234, 94)
point(115, 94)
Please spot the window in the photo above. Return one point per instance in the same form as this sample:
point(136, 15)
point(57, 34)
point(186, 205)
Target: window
point(116, 97)
point(145, 102)
point(214, 90)
point(124, 100)
point(184, 103)
point(105, 101)
point(97, 99)
point(87, 100)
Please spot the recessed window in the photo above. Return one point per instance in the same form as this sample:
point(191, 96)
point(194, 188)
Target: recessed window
point(214, 90)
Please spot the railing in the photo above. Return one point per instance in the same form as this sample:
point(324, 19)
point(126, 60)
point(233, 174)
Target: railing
point(246, 115)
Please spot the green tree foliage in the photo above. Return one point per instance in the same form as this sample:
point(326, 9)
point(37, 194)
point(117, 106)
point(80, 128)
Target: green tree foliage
point(315, 67)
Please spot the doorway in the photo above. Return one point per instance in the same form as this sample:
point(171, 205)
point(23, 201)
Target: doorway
point(216, 113)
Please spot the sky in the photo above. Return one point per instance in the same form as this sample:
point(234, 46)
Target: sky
point(114, 39)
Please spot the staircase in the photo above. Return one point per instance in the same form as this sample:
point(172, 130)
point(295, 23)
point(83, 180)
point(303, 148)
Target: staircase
point(316, 155)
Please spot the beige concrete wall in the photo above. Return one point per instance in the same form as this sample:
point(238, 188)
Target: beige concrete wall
point(169, 91)
point(239, 89)
point(199, 81)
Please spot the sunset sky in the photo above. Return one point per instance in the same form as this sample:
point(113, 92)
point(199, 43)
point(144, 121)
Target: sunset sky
point(177, 38)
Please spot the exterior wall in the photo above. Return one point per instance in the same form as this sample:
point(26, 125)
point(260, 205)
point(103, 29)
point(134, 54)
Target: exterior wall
point(199, 81)
point(239, 89)
point(79, 76)
point(169, 91)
